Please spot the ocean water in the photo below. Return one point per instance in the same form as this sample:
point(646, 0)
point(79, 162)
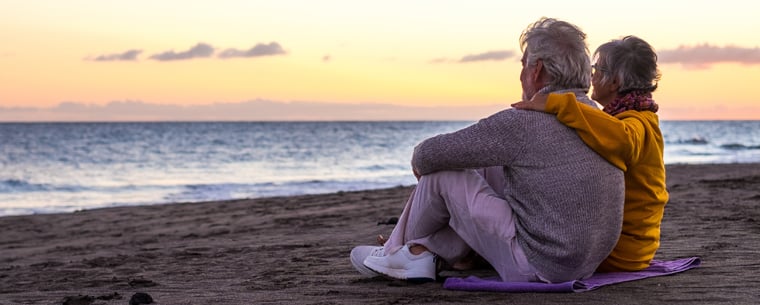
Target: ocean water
point(63, 167)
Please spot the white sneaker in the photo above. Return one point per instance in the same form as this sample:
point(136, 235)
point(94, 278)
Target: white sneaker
point(360, 253)
point(404, 265)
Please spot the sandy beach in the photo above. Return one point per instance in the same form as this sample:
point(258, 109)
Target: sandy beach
point(294, 250)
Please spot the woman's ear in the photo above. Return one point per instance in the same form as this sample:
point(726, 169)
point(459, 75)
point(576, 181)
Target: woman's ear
point(615, 85)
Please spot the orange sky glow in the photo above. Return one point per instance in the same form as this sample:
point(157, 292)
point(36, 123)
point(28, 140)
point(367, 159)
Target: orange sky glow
point(81, 59)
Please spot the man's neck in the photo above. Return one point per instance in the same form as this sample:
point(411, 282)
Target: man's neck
point(549, 89)
point(580, 94)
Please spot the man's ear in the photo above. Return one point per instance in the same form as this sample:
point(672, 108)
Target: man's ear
point(536, 73)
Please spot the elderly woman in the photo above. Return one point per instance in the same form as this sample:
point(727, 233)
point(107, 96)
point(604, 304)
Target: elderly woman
point(627, 134)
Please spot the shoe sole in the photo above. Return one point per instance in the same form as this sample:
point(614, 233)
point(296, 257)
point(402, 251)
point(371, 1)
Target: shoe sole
point(396, 274)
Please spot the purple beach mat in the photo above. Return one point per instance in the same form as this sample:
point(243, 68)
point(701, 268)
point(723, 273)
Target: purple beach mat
point(656, 268)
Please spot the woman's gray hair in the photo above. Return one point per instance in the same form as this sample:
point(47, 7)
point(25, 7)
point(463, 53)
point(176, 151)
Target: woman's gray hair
point(631, 61)
point(561, 46)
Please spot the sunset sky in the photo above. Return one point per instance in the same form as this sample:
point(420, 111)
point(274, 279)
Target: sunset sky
point(333, 59)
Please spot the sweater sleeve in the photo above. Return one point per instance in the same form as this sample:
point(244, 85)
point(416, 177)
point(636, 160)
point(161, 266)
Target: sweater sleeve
point(489, 142)
point(617, 139)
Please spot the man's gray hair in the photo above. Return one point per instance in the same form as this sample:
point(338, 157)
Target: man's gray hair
point(631, 61)
point(561, 46)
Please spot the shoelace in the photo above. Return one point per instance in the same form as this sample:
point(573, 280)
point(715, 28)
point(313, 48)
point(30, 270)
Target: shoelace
point(377, 252)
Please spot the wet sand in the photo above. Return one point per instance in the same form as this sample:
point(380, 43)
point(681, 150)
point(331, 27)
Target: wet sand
point(294, 250)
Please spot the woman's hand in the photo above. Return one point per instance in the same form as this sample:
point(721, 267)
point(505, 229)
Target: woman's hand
point(537, 103)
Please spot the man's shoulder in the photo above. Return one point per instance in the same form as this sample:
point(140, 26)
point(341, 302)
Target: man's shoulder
point(524, 117)
point(526, 123)
point(519, 114)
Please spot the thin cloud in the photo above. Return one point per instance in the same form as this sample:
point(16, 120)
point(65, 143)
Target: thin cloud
point(130, 55)
point(198, 51)
point(704, 55)
point(439, 60)
point(492, 55)
point(326, 58)
point(259, 49)
point(486, 56)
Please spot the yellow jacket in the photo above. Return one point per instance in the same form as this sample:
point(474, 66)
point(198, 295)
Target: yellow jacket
point(632, 141)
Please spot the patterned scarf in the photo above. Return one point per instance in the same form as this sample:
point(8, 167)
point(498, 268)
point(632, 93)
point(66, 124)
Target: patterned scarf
point(635, 100)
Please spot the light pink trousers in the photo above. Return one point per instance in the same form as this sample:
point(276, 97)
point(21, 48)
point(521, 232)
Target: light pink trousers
point(453, 212)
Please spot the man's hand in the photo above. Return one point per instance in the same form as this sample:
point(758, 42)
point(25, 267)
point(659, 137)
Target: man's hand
point(416, 174)
point(537, 103)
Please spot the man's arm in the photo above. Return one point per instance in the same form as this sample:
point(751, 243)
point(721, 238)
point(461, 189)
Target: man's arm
point(490, 142)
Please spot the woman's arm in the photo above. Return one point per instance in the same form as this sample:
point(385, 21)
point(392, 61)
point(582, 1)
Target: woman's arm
point(617, 140)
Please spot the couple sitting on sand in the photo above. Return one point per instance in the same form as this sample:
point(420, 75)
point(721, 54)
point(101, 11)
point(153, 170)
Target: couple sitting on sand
point(543, 196)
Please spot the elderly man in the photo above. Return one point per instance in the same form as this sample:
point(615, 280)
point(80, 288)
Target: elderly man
point(519, 188)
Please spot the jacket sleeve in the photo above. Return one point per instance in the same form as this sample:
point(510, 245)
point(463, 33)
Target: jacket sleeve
point(617, 139)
